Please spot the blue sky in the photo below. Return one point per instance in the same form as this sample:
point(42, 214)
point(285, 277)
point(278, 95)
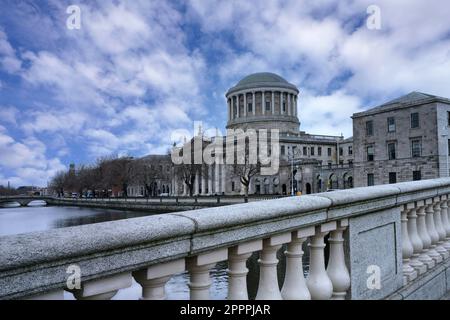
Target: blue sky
point(138, 71)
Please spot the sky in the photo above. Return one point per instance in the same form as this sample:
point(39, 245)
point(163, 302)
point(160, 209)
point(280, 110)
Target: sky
point(136, 72)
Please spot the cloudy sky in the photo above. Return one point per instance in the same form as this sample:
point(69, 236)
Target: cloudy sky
point(137, 71)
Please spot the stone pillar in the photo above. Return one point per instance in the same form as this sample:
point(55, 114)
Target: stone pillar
point(337, 270)
point(245, 104)
point(319, 284)
point(154, 278)
point(217, 179)
point(281, 103)
point(104, 288)
point(432, 231)
point(290, 111)
point(253, 103)
point(263, 102)
point(409, 273)
point(203, 173)
point(268, 288)
point(294, 287)
point(424, 236)
point(224, 181)
point(439, 228)
point(230, 110)
point(273, 102)
point(295, 105)
point(199, 267)
point(237, 270)
point(210, 179)
point(416, 242)
point(196, 183)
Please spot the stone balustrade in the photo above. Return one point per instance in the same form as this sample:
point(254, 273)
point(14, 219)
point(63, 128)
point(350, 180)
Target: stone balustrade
point(390, 241)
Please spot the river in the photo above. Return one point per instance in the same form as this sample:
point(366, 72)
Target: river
point(38, 217)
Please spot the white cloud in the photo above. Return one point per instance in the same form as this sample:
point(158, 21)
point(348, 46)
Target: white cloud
point(8, 59)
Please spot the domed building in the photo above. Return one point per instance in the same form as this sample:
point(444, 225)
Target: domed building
point(263, 101)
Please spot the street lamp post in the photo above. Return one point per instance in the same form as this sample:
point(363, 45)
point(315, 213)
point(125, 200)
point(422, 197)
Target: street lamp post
point(291, 156)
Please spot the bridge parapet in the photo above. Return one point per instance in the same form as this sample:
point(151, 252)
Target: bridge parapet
point(383, 242)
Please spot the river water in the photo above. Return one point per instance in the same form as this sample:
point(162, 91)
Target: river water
point(37, 217)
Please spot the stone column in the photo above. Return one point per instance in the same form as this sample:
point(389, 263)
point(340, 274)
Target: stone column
point(294, 287)
point(199, 267)
point(273, 102)
point(416, 242)
point(424, 236)
point(196, 183)
point(295, 105)
point(245, 104)
point(154, 278)
point(230, 110)
point(432, 231)
point(237, 270)
point(337, 270)
point(409, 273)
point(224, 181)
point(203, 173)
point(236, 97)
point(210, 179)
point(104, 288)
point(263, 102)
point(253, 103)
point(281, 103)
point(439, 228)
point(319, 284)
point(268, 288)
point(288, 103)
point(217, 179)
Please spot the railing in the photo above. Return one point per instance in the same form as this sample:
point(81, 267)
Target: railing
point(402, 229)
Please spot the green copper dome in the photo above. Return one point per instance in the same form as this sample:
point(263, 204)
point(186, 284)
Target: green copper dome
point(262, 79)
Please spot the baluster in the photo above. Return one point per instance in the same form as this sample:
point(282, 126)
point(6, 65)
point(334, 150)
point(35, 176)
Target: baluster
point(445, 220)
point(432, 231)
point(319, 284)
point(336, 269)
point(424, 236)
point(154, 278)
point(199, 268)
point(103, 289)
point(294, 287)
point(268, 288)
point(439, 228)
point(50, 295)
point(409, 273)
point(416, 242)
point(237, 269)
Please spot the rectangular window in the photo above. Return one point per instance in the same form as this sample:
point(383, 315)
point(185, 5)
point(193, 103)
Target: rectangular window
point(416, 148)
point(329, 165)
point(305, 151)
point(392, 177)
point(369, 128)
point(341, 152)
point(448, 118)
point(283, 150)
point(448, 146)
point(391, 151)
point(414, 120)
point(232, 185)
point(417, 175)
point(268, 107)
point(370, 153)
point(350, 150)
point(329, 152)
point(284, 106)
point(370, 180)
point(350, 163)
point(319, 151)
point(250, 107)
point(391, 124)
point(341, 162)
point(312, 151)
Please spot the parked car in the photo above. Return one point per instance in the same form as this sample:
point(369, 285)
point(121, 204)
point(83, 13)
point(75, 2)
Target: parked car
point(164, 195)
point(74, 195)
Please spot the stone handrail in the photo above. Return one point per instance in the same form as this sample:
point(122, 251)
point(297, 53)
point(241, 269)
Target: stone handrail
point(152, 249)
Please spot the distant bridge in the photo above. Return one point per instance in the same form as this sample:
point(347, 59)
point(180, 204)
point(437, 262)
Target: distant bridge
point(155, 203)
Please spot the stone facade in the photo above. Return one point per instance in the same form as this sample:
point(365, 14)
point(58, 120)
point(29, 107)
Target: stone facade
point(409, 137)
